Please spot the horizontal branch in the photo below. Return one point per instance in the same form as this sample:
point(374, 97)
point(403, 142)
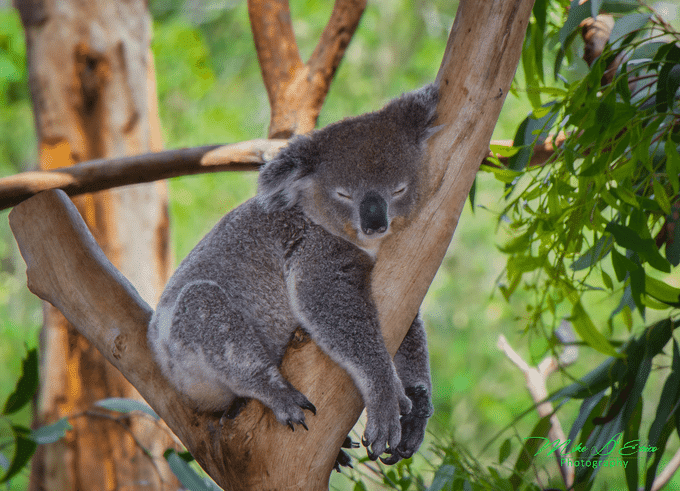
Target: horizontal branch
point(100, 174)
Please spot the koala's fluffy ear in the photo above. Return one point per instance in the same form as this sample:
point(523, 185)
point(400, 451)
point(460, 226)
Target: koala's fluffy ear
point(416, 111)
point(283, 178)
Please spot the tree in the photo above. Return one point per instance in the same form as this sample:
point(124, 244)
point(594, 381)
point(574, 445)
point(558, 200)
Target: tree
point(94, 97)
point(469, 106)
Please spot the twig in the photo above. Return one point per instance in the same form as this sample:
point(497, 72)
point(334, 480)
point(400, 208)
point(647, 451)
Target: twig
point(536, 380)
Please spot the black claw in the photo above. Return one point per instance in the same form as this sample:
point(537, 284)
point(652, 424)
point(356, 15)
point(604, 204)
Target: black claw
point(309, 406)
point(364, 441)
point(290, 425)
point(348, 443)
point(372, 456)
point(304, 425)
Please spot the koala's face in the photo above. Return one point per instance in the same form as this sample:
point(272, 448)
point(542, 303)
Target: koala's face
point(362, 189)
point(359, 178)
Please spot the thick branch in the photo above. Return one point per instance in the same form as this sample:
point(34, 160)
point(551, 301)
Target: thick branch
point(253, 451)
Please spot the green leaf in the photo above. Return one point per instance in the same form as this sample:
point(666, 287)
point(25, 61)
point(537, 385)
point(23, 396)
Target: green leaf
point(673, 244)
point(620, 6)
point(661, 446)
point(622, 265)
point(577, 14)
point(504, 175)
point(186, 475)
point(586, 329)
point(630, 433)
point(529, 451)
point(669, 79)
point(23, 451)
point(660, 197)
point(26, 386)
point(504, 451)
point(672, 164)
point(124, 405)
point(590, 407)
point(670, 395)
point(51, 433)
point(595, 254)
point(442, 477)
point(646, 248)
point(630, 24)
point(662, 291)
point(503, 150)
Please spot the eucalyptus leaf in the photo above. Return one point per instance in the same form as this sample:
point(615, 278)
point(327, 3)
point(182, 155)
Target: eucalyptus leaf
point(26, 386)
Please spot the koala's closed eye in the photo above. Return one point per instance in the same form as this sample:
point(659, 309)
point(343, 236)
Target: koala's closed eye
point(399, 191)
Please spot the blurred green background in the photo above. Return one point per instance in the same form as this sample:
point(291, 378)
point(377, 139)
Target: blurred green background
point(210, 91)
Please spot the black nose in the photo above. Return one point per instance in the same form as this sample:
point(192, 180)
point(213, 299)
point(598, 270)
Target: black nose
point(373, 213)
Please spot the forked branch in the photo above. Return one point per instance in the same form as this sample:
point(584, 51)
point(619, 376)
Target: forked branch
point(297, 90)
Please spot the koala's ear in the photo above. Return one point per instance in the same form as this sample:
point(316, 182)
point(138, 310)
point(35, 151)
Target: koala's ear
point(417, 110)
point(283, 179)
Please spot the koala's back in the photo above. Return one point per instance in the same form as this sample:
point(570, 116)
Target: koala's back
point(228, 294)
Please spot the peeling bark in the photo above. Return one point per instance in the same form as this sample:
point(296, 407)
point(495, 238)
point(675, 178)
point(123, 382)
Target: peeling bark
point(90, 78)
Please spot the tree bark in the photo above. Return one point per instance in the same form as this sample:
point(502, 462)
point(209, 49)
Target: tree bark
point(92, 82)
point(297, 90)
point(254, 451)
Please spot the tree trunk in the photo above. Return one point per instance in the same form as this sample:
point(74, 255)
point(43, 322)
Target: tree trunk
point(92, 81)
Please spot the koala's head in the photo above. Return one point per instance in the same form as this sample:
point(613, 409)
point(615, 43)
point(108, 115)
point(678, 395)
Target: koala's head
point(358, 178)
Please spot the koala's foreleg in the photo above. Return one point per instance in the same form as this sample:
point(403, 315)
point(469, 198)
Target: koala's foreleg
point(413, 366)
point(343, 322)
point(213, 355)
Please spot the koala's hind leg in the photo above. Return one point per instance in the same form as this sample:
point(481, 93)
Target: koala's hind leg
point(215, 352)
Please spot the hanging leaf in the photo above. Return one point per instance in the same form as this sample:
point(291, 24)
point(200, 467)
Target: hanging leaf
point(670, 396)
point(124, 405)
point(23, 451)
point(26, 386)
point(588, 332)
point(51, 433)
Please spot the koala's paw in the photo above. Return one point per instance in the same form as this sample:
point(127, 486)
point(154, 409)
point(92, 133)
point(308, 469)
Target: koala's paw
point(289, 409)
point(412, 425)
point(383, 427)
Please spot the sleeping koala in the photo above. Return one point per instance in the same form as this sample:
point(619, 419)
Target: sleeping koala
point(300, 254)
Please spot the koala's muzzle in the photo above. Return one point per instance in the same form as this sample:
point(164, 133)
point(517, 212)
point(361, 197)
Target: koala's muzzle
point(373, 213)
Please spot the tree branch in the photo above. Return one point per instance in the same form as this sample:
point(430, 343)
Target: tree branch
point(536, 382)
point(100, 174)
point(297, 90)
point(254, 451)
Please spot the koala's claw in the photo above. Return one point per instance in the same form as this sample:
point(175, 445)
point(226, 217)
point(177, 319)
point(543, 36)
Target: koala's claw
point(348, 443)
point(309, 406)
point(342, 460)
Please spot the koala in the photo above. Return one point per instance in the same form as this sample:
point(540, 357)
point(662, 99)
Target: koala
point(300, 254)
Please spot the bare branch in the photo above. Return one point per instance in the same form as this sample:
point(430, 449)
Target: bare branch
point(335, 39)
point(297, 90)
point(536, 381)
point(96, 175)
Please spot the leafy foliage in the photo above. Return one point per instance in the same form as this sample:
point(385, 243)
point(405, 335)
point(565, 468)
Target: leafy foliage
point(598, 221)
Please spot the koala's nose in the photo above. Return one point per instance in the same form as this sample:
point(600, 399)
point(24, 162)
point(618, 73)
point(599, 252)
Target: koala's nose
point(373, 213)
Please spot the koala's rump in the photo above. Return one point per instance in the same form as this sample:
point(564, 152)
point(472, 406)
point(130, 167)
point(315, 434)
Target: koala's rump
point(225, 307)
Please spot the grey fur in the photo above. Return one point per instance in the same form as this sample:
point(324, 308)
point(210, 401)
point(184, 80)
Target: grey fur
point(301, 254)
